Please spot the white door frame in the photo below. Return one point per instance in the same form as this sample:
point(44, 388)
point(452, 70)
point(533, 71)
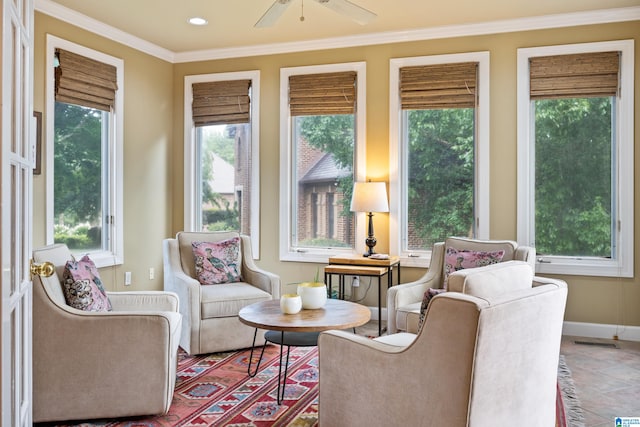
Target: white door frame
point(16, 169)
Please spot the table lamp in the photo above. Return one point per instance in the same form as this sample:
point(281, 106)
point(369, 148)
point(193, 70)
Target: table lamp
point(369, 197)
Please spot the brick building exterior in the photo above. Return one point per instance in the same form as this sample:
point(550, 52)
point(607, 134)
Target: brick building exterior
point(320, 200)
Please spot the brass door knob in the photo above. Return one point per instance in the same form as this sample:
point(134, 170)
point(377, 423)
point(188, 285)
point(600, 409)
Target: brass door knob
point(45, 269)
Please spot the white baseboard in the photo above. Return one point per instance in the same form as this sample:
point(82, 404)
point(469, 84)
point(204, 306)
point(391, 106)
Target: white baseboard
point(599, 330)
point(579, 329)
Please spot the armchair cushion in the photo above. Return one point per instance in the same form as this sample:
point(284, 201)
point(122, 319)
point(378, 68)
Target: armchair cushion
point(226, 300)
point(492, 280)
point(217, 262)
point(82, 286)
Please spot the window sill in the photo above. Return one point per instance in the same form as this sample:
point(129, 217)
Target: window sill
point(101, 258)
point(315, 256)
point(583, 267)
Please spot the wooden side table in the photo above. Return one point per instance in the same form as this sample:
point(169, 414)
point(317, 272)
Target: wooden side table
point(357, 265)
point(353, 270)
point(393, 262)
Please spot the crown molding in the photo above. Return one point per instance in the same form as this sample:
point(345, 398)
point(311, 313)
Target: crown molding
point(79, 20)
point(603, 16)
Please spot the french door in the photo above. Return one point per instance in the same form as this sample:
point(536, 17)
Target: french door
point(16, 168)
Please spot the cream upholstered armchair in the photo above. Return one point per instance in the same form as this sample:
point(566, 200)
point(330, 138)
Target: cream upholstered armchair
point(109, 364)
point(210, 312)
point(404, 301)
point(477, 361)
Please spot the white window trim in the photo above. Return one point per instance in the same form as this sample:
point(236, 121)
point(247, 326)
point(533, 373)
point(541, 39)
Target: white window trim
point(190, 184)
point(623, 265)
point(115, 256)
point(287, 252)
point(396, 157)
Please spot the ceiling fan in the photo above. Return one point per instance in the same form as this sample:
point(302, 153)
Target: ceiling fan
point(344, 7)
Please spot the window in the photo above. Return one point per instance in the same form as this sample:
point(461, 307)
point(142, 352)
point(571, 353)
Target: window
point(322, 132)
point(84, 185)
point(439, 143)
point(221, 141)
point(575, 157)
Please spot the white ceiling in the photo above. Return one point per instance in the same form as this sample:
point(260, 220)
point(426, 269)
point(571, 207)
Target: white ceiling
point(163, 23)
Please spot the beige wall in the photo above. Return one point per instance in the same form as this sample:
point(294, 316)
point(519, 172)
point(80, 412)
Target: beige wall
point(154, 195)
point(148, 138)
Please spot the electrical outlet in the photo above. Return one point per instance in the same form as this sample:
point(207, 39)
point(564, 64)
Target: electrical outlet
point(127, 278)
point(152, 273)
point(355, 282)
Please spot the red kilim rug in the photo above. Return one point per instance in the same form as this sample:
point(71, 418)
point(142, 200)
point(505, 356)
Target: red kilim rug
point(215, 390)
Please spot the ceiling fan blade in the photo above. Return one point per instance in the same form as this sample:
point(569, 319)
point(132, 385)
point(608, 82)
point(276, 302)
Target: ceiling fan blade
point(351, 10)
point(273, 13)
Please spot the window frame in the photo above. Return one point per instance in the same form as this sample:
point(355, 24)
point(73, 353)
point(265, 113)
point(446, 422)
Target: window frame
point(114, 252)
point(191, 186)
point(287, 251)
point(398, 158)
point(620, 265)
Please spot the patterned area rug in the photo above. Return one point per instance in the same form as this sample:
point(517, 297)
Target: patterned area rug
point(568, 410)
point(214, 390)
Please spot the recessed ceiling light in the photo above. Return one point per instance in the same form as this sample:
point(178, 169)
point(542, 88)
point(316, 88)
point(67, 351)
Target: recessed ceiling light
point(196, 20)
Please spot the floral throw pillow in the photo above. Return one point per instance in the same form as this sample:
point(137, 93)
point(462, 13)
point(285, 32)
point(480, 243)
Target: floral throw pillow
point(82, 286)
point(455, 260)
point(426, 299)
point(217, 262)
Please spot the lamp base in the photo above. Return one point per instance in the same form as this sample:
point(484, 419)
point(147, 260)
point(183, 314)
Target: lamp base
point(370, 242)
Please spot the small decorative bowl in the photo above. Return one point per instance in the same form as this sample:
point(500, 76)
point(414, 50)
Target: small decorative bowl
point(314, 294)
point(290, 303)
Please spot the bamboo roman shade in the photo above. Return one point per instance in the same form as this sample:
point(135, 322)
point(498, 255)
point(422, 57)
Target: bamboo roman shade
point(574, 76)
point(322, 94)
point(439, 86)
point(84, 81)
point(221, 102)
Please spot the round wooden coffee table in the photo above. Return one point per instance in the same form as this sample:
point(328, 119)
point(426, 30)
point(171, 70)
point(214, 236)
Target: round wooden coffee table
point(300, 329)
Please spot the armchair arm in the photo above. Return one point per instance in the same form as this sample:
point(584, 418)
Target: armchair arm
point(144, 301)
point(356, 345)
point(188, 290)
point(539, 281)
point(365, 373)
point(256, 276)
point(186, 287)
point(412, 292)
point(527, 254)
point(264, 280)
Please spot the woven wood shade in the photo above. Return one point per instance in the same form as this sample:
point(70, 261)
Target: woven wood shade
point(224, 102)
point(429, 87)
point(574, 76)
point(84, 81)
point(322, 94)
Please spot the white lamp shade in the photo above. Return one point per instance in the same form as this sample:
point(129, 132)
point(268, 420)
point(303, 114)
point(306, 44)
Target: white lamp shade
point(369, 197)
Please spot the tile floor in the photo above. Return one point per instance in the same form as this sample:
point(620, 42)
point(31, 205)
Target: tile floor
point(607, 379)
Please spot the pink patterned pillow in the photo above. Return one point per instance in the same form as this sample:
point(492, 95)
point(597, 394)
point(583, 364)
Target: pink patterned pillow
point(217, 262)
point(426, 299)
point(82, 286)
point(455, 260)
